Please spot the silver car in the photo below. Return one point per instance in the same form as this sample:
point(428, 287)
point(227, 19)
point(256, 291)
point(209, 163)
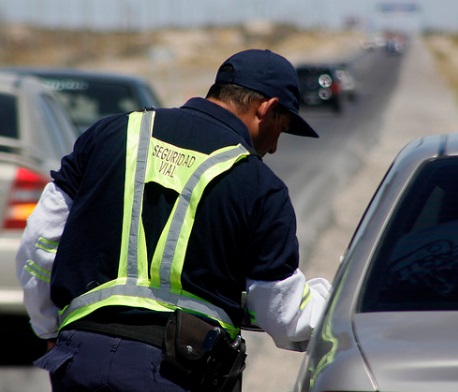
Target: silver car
point(35, 132)
point(391, 320)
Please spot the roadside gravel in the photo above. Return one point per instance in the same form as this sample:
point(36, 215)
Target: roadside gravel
point(421, 105)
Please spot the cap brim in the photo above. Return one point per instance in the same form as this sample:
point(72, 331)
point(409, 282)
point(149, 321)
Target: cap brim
point(300, 127)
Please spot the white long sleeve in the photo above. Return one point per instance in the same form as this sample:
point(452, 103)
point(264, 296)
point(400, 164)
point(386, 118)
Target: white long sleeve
point(288, 310)
point(35, 258)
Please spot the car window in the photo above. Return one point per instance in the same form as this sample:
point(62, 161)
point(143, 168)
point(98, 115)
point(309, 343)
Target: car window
point(8, 116)
point(60, 132)
point(88, 100)
point(415, 266)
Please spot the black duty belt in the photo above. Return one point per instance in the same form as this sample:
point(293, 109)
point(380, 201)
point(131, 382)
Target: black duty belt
point(152, 333)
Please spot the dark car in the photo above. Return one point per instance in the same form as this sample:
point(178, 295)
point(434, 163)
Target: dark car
point(390, 322)
point(90, 95)
point(319, 86)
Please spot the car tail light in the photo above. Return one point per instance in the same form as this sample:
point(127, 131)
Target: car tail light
point(336, 87)
point(24, 195)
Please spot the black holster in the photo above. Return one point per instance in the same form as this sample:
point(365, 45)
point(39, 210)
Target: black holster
point(201, 356)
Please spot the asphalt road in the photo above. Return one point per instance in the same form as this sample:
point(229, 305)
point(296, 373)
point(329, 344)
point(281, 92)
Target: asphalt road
point(330, 181)
point(420, 104)
point(315, 169)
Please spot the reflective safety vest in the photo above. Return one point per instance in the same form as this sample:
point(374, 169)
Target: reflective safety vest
point(188, 173)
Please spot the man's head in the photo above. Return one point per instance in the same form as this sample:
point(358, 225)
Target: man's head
point(272, 76)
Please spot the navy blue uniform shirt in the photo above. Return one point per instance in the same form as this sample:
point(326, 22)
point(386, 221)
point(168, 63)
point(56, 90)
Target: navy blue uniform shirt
point(245, 225)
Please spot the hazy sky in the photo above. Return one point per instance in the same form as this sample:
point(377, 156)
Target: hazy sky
point(148, 14)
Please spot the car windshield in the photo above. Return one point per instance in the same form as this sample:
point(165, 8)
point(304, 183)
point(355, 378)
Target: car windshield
point(8, 116)
point(88, 101)
point(416, 264)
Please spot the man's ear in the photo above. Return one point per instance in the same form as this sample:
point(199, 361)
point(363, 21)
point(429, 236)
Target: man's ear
point(266, 107)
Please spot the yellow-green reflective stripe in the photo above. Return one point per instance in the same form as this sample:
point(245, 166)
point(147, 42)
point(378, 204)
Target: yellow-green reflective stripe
point(252, 316)
point(115, 300)
point(128, 291)
point(40, 273)
point(179, 182)
point(138, 264)
point(181, 244)
point(306, 296)
point(133, 256)
point(47, 245)
point(155, 268)
point(67, 317)
point(133, 129)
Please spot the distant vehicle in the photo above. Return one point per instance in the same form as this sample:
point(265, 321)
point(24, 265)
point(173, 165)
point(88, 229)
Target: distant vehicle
point(375, 40)
point(395, 46)
point(390, 322)
point(396, 43)
point(91, 95)
point(35, 132)
point(319, 86)
point(347, 81)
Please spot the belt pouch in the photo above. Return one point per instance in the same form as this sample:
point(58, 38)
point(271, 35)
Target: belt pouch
point(188, 341)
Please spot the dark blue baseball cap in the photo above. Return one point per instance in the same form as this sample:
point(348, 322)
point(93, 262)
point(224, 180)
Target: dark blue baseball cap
point(270, 75)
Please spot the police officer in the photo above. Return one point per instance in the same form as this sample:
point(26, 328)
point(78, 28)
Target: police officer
point(162, 231)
